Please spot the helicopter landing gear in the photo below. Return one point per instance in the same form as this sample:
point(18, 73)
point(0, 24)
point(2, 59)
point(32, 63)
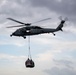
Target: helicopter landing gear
point(53, 34)
point(24, 37)
point(11, 35)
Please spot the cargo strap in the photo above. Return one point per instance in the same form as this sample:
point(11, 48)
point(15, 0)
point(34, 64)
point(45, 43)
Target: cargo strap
point(29, 51)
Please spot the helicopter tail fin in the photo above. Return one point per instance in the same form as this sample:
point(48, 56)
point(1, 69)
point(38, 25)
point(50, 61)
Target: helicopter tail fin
point(60, 26)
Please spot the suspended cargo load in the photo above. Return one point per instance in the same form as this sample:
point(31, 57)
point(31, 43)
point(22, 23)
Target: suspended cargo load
point(29, 63)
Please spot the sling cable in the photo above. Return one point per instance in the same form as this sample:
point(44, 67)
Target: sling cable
point(29, 62)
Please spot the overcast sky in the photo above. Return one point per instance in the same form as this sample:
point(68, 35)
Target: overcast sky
point(53, 55)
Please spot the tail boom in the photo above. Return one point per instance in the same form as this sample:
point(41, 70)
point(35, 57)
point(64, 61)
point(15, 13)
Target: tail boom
point(60, 26)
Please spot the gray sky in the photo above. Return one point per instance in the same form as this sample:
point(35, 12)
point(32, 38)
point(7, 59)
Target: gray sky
point(53, 55)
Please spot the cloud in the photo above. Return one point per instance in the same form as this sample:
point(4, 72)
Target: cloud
point(64, 63)
point(46, 56)
point(11, 57)
point(57, 6)
point(47, 48)
point(63, 71)
point(62, 67)
point(15, 9)
point(14, 42)
point(12, 61)
point(56, 43)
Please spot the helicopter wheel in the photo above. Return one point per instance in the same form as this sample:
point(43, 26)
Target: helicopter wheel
point(53, 34)
point(24, 37)
point(10, 35)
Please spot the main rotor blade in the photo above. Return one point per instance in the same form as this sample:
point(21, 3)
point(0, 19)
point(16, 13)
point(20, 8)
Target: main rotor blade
point(23, 24)
point(15, 26)
point(41, 20)
point(15, 20)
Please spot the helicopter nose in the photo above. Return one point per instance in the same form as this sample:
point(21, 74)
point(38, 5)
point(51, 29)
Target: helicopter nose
point(13, 33)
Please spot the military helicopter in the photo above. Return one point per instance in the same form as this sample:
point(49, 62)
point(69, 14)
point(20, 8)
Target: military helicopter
point(29, 30)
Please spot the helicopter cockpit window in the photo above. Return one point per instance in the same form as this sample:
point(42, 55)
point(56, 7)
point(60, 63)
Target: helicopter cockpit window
point(18, 30)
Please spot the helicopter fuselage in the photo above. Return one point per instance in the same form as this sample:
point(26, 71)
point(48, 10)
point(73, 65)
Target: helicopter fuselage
point(23, 32)
point(35, 30)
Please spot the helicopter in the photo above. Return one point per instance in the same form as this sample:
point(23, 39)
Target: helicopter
point(29, 30)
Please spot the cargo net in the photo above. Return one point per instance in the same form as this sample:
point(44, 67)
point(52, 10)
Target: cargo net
point(29, 62)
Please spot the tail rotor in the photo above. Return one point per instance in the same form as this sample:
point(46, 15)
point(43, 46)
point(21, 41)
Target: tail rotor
point(64, 19)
